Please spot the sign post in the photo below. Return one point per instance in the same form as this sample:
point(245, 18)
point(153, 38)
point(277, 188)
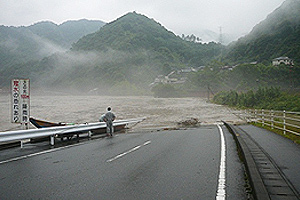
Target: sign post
point(21, 102)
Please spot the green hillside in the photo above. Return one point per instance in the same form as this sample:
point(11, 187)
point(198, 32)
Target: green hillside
point(22, 44)
point(130, 32)
point(276, 36)
point(134, 32)
point(125, 56)
point(22, 47)
point(16, 46)
point(66, 33)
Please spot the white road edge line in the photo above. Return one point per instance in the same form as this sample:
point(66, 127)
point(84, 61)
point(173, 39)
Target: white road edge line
point(221, 193)
point(38, 153)
point(128, 152)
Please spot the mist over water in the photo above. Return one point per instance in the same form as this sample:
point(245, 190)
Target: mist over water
point(160, 113)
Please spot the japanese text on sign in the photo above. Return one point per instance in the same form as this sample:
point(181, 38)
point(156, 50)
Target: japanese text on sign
point(20, 101)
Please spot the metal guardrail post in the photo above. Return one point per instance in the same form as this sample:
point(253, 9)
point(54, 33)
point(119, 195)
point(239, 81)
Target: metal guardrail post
point(52, 140)
point(284, 123)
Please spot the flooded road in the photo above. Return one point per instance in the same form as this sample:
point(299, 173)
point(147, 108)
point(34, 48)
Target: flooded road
point(159, 112)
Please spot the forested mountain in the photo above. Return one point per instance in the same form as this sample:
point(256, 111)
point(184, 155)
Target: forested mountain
point(66, 33)
point(22, 47)
point(278, 35)
point(23, 44)
point(125, 56)
point(134, 32)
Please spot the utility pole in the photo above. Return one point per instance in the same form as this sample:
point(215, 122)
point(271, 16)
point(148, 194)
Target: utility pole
point(208, 93)
point(221, 35)
point(221, 41)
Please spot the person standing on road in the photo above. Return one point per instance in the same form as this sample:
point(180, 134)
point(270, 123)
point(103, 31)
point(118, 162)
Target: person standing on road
point(109, 117)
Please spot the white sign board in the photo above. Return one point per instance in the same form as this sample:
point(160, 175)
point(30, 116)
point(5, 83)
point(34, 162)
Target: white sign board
point(20, 101)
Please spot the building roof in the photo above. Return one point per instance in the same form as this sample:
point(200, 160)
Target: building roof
point(282, 58)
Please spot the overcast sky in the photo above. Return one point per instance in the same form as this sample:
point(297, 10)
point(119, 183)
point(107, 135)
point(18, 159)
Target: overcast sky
point(179, 16)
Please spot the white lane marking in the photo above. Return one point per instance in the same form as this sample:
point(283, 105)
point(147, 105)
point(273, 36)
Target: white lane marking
point(128, 152)
point(146, 143)
point(221, 193)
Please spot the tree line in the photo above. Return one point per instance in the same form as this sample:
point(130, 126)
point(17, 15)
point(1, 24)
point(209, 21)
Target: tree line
point(263, 98)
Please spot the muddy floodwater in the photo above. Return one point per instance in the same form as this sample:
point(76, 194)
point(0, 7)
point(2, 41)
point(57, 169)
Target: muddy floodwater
point(159, 113)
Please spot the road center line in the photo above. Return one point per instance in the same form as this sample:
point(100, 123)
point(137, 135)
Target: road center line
point(128, 152)
point(221, 193)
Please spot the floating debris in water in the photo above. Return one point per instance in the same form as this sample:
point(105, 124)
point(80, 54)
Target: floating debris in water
point(189, 123)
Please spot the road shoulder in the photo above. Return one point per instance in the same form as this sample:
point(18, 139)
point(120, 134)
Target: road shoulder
point(267, 180)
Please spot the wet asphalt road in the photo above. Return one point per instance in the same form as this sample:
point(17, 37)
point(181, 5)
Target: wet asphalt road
point(179, 164)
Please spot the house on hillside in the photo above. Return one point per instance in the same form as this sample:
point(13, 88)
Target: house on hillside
point(175, 77)
point(282, 60)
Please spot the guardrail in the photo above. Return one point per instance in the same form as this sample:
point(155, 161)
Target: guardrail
point(281, 120)
point(20, 135)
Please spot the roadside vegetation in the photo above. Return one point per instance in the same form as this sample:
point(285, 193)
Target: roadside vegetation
point(271, 98)
point(245, 85)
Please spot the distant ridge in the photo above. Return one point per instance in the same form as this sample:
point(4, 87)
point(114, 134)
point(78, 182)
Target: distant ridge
point(41, 39)
point(22, 46)
point(66, 33)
